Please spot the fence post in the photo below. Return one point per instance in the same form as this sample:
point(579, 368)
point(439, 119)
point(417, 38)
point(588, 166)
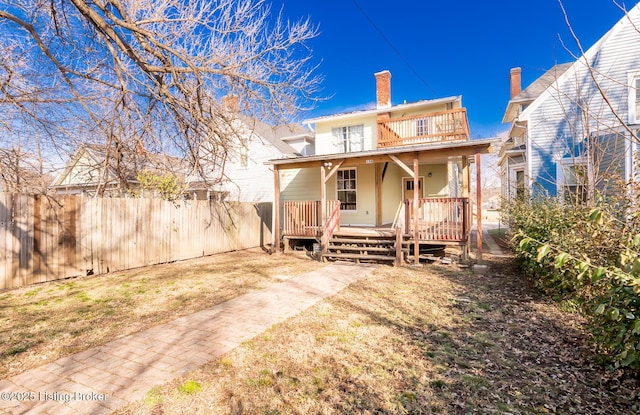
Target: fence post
point(398, 246)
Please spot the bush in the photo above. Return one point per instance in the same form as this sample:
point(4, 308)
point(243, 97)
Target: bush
point(589, 255)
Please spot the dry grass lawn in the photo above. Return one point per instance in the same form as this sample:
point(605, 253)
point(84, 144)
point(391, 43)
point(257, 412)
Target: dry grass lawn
point(410, 341)
point(44, 322)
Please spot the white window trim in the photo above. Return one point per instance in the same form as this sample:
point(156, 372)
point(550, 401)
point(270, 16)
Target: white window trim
point(633, 118)
point(355, 211)
point(512, 182)
point(423, 126)
point(347, 129)
point(566, 162)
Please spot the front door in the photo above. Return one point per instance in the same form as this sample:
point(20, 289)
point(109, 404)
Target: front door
point(408, 186)
point(407, 191)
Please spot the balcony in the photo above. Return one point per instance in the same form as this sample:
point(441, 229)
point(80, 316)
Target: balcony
point(438, 127)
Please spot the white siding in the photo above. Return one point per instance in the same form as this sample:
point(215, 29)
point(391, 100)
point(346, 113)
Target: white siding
point(325, 141)
point(300, 184)
point(253, 183)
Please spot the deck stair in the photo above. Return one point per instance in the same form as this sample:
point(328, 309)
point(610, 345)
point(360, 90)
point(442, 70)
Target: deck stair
point(359, 246)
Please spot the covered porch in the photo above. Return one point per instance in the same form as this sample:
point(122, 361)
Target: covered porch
point(419, 217)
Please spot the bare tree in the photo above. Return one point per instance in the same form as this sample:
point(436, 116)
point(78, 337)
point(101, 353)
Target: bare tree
point(147, 76)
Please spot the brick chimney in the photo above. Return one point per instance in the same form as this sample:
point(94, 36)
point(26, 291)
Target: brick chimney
point(383, 89)
point(515, 83)
point(230, 103)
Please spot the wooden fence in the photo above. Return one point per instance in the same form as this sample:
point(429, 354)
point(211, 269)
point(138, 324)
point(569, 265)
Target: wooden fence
point(48, 238)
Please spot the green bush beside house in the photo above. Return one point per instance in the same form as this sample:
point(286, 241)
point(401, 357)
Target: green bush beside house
point(589, 255)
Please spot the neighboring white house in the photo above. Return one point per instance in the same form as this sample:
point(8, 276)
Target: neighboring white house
point(574, 126)
point(246, 177)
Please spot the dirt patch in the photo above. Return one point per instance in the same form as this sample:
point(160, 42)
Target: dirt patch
point(411, 340)
point(44, 322)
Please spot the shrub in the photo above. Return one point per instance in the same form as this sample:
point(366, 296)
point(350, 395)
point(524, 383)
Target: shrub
point(591, 256)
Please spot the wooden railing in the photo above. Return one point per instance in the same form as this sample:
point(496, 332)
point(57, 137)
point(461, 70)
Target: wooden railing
point(304, 217)
point(332, 225)
point(451, 125)
point(440, 219)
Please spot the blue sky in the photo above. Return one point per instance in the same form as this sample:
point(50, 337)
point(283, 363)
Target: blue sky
point(447, 48)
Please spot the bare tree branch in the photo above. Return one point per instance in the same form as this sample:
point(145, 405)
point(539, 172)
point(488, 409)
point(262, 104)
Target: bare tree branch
point(146, 77)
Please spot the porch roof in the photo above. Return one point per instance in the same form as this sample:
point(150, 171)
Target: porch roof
point(435, 150)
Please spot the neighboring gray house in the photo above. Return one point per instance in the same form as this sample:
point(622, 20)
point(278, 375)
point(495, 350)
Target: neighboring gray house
point(572, 128)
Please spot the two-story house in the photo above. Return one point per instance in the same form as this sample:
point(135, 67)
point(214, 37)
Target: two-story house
point(394, 166)
point(575, 127)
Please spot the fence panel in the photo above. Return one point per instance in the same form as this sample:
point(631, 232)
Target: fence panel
point(46, 238)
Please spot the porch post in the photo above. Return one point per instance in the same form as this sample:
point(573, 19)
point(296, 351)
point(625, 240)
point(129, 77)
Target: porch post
point(466, 179)
point(478, 206)
point(276, 208)
point(416, 195)
point(323, 195)
point(378, 194)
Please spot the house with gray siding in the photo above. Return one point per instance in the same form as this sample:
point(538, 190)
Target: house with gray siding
point(575, 128)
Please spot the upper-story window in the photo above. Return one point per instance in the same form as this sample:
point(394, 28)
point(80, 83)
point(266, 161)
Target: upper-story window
point(422, 126)
point(634, 97)
point(348, 139)
point(244, 153)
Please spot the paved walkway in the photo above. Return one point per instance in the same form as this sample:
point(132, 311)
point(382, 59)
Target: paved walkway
point(489, 245)
point(105, 378)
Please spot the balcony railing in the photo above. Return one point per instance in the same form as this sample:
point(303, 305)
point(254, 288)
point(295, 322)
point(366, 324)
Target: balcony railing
point(438, 127)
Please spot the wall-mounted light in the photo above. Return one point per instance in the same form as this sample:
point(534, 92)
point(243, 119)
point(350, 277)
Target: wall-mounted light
point(430, 174)
point(328, 164)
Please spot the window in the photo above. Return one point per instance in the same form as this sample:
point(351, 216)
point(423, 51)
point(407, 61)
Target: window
point(422, 126)
point(516, 181)
point(348, 139)
point(244, 161)
point(346, 185)
point(634, 97)
point(637, 100)
point(520, 190)
point(575, 179)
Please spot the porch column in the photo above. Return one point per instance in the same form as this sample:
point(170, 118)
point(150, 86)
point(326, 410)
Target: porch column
point(416, 195)
point(323, 195)
point(378, 194)
point(478, 206)
point(466, 179)
point(276, 208)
